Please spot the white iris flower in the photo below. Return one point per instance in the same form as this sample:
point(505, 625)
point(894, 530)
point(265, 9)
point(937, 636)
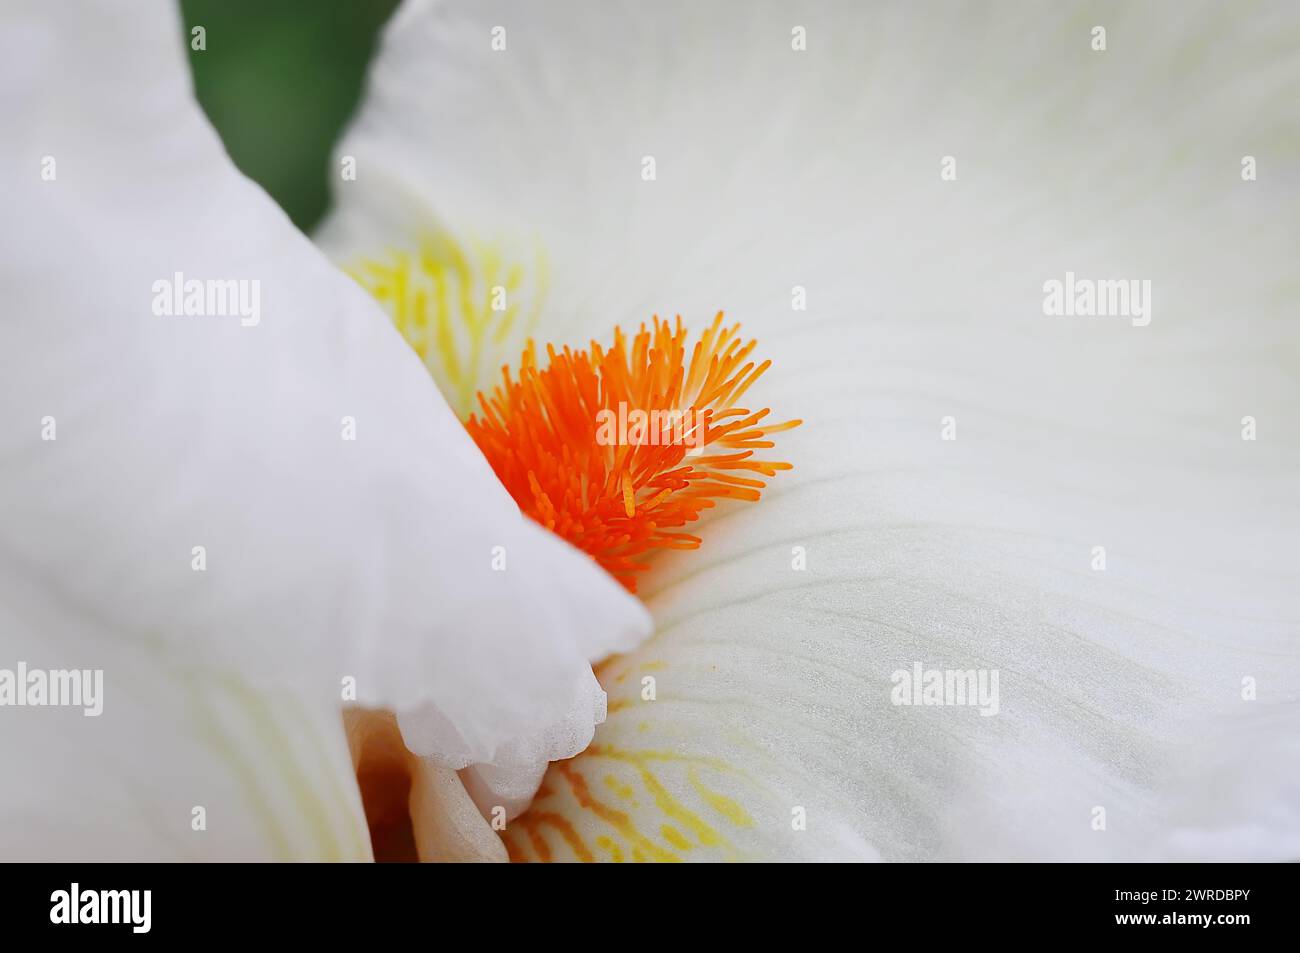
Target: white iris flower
point(1089, 509)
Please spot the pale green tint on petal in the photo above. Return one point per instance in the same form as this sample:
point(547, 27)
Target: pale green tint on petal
point(820, 170)
point(180, 764)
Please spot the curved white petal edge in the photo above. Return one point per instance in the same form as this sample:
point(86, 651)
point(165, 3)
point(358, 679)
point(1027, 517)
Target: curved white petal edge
point(270, 493)
point(965, 453)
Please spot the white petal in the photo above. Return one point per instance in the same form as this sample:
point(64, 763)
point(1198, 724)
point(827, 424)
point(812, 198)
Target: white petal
point(176, 765)
point(514, 774)
point(821, 169)
point(326, 558)
point(412, 801)
point(1238, 799)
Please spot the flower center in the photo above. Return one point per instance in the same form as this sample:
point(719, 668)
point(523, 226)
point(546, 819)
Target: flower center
point(616, 450)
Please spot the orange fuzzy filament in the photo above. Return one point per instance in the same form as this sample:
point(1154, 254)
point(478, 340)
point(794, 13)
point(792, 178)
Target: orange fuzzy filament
point(619, 501)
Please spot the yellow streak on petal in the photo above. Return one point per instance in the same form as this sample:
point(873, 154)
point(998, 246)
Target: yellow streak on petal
point(724, 805)
point(618, 787)
point(618, 832)
point(674, 837)
point(442, 295)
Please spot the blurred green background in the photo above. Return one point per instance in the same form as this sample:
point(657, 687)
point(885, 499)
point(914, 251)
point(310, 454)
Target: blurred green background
point(280, 79)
